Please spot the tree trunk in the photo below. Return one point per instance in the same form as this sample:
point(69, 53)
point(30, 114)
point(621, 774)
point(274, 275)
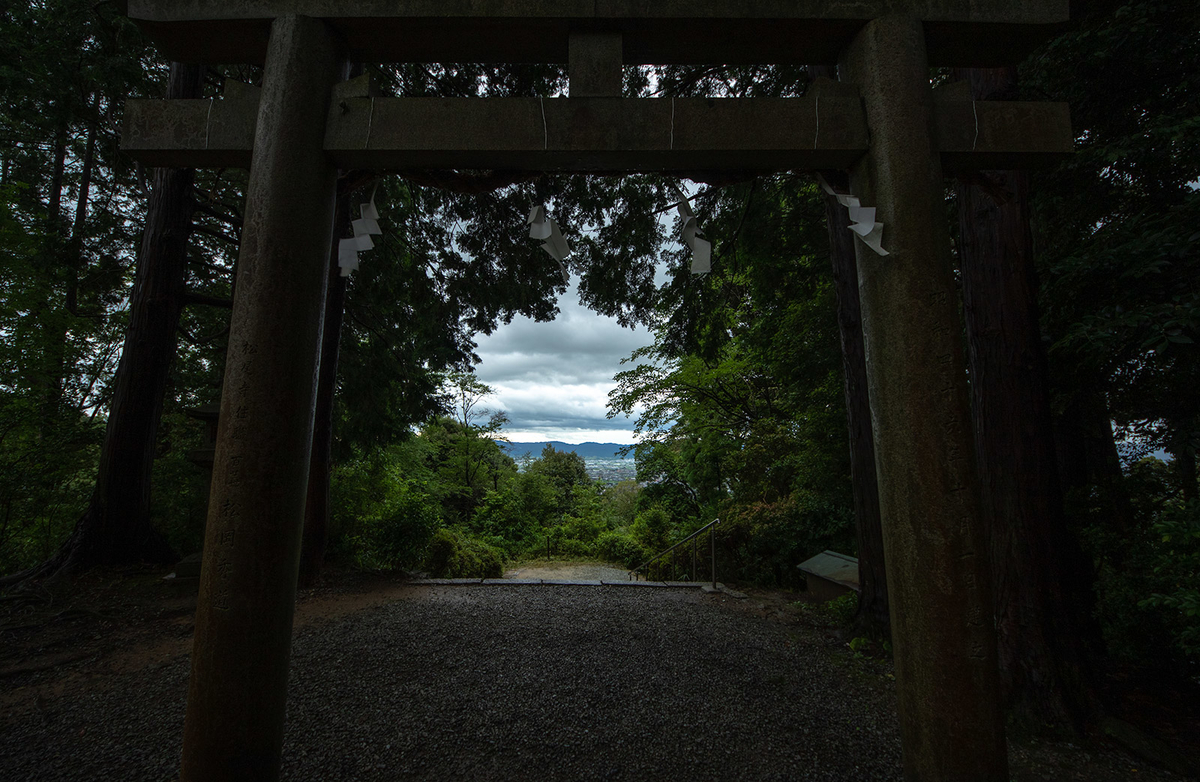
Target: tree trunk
point(1041, 588)
point(54, 197)
point(872, 618)
point(75, 250)
point(44, 319)
point(115, 528)
point(320, 465)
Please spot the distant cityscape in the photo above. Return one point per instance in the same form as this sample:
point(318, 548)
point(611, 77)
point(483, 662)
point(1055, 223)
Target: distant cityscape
point(603, 460)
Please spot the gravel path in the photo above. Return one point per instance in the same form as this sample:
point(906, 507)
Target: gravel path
point(512, 683)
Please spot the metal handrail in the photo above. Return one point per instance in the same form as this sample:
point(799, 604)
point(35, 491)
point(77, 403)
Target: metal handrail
point(712, 541)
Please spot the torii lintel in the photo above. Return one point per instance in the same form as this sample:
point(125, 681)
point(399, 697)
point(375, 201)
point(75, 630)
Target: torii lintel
point(980, 33)
point(600, 135)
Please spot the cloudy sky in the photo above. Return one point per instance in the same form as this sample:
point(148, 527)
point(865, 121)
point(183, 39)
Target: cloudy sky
point(553, 378)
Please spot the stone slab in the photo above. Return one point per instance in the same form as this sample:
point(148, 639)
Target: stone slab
point(445, 581)
point(635, 583)
point(976, 33)
point(572, 582)
point(511, 581)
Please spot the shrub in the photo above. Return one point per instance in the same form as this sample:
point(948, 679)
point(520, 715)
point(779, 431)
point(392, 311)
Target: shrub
point(1177, 564)
point(842, 608)
point(763, 542)
point(584, 530)
point(652, 529)
point(620, 546)
point(518, 512)
point(453, 554)
point(397, 533)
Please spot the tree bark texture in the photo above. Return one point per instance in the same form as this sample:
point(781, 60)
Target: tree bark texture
point(115, 528)
point(320, 465)
point(872, 618)
point(1042, 591)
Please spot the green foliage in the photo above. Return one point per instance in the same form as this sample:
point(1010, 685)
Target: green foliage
point(46, 478)
point(399, 532)
point(740, 397)
point(518, 513)
point(1148, 575)
point(1119, 260)
point(620, 502)
point(763, 542)
point(842, 609)
point(179, 487)
point(1178, 568)
point(652, 529)
point(622, 547)
point(468, 463)
point(453, 554)
point(566, 470)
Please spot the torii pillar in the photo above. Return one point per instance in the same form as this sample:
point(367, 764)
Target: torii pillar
point(238, 685)
point(938, 583)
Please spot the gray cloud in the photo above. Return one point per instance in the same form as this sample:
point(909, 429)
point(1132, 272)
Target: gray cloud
point(553, 378)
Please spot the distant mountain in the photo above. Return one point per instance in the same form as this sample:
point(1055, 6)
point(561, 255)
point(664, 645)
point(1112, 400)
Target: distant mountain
point(586, 450)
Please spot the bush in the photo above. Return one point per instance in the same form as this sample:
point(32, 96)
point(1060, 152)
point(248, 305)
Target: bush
point(1147, 599)
point(453, 554)
point(842, 608)
point(652, 529)
point(620, 546)
point(517, 513)
point(584, 530)
point(763, 542)
point(1177, 564)
point(398, 532)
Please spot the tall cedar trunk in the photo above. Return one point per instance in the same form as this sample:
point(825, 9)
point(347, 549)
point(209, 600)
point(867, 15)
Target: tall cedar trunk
point(41, 318)
point(320, 465)
point(58, 327)
point(57, 172)
point(872, 618)
point(1041, 583)
point(1088, 458)
point(115, 528)
point(75, 251)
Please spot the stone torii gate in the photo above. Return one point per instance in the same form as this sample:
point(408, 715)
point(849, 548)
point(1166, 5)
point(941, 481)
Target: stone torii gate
point(881, 121)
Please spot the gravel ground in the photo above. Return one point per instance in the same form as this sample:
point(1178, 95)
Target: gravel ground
point(512, 683)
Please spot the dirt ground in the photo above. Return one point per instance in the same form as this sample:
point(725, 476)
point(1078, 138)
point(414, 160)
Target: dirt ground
point(79, 636)
point(561, 570)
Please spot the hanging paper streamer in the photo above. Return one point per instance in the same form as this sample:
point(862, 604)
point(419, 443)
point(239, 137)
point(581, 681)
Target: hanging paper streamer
point(554, 243)
point(862, 218)
point(364, 228)
point(348, 256)
point(701, 248)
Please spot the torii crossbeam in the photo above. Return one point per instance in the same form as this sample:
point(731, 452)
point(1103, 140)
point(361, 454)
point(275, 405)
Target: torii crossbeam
point(882, 121)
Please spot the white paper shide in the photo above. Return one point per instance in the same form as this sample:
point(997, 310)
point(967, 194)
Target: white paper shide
point(364, 228)
point(701, 248)
point(862, 218)
point(546, 230)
